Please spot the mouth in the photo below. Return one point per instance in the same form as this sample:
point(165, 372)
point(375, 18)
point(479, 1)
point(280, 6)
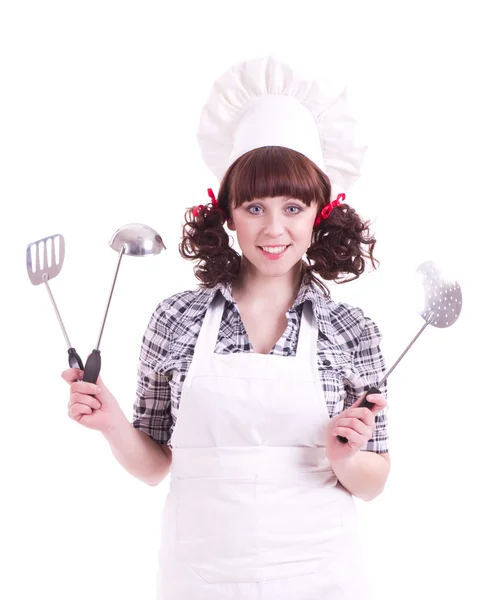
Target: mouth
point(274, 252)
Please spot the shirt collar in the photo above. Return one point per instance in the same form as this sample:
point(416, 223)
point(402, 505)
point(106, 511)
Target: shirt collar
point(308, 292)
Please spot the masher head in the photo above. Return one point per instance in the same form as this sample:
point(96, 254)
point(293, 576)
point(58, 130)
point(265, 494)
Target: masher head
point(44, 258)
point(442, 298)
point(137, 240)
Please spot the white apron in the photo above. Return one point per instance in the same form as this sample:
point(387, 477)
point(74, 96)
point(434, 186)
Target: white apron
point(255, 511)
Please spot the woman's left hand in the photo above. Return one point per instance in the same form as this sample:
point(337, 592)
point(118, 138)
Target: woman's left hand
point(356, 424)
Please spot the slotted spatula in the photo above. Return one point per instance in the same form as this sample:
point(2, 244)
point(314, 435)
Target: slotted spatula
point(44, 259)
point(441, 308)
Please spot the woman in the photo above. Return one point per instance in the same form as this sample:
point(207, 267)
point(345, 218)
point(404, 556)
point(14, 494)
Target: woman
point(245, 383)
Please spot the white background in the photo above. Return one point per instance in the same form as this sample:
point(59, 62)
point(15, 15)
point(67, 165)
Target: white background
point(99, 106)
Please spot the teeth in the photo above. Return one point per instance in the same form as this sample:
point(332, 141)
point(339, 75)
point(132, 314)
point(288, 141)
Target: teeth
point(276, 250)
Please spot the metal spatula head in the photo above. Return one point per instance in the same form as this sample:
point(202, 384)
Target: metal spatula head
point(442, 298)
point(44, 258)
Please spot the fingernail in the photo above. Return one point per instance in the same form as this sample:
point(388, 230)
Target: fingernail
point(98, 390)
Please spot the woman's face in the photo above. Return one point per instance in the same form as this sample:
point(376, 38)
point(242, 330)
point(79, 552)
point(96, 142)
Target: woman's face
point(273, 233)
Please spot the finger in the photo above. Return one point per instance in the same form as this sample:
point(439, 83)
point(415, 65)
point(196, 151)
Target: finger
point(351, 435)
point(364, 414)
point(364, 429)
point(77, 410)
point(84, 400)
point(367, 417)
point(71, 375)
point(84, 387)
point(378, 401)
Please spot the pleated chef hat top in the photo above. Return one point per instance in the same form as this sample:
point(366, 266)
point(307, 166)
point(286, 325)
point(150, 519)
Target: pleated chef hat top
point(264, 102)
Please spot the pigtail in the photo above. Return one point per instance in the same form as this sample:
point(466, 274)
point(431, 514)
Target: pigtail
point(205, 240)
point(342, 246)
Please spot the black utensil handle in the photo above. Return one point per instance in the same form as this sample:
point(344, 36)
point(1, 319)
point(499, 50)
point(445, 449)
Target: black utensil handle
point(364, 404)
point(74, 359)
point(93, 366)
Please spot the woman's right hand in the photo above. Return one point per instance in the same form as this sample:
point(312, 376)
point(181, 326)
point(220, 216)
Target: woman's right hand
point(92, 405)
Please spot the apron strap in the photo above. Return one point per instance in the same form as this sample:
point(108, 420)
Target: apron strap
point(207, 338)
point(307, 344)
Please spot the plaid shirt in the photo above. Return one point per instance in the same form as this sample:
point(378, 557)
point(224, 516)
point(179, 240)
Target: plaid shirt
point(349, 357)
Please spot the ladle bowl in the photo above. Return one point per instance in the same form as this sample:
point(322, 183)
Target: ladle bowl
point(136, 239)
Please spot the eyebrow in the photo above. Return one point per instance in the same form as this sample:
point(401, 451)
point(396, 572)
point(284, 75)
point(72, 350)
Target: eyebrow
point(285, 199)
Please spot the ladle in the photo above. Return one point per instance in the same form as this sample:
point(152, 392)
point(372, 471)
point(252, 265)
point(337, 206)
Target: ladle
point(134, 239)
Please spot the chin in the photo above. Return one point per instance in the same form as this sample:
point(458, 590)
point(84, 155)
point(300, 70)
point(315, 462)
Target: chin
point(275, 270)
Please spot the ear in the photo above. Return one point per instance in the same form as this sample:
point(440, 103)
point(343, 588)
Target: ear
point(230, 225)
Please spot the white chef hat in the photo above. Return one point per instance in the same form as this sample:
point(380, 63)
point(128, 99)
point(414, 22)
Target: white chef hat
point(263, 102)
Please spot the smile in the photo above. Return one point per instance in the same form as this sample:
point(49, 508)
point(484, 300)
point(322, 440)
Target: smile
point(274, 252)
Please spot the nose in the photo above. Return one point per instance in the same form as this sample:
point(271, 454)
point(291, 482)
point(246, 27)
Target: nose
point(274, 225)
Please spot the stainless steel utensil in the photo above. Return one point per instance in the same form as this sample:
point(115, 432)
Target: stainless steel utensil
point(134, 239)
point(44, 260)
point(441, 308)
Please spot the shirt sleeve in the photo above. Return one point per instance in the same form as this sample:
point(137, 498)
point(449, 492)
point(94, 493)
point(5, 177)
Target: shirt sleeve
point(152, 407)
point(369, 368)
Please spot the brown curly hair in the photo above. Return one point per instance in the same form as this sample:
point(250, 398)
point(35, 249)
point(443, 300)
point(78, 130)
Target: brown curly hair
point(341, 245)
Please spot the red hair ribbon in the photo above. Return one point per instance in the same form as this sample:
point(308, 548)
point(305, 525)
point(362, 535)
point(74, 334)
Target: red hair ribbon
point(327, 209)
point(197, 209)
point(213, 199)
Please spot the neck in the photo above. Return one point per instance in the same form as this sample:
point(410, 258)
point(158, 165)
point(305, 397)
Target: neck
point(253, 287)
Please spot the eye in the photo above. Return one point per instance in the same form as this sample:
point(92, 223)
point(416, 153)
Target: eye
point(293, 209)
point(254, 209)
